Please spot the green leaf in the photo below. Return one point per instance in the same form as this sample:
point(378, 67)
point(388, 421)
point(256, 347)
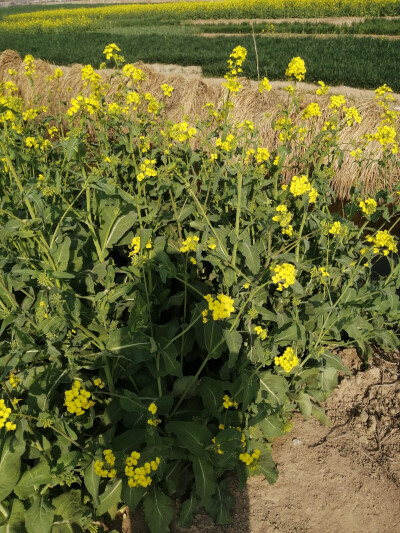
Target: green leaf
point(212, 392)
point(221, 504)
point(319, 413)
point(32, 479)
point(39, 517)
point(286, 334)
point(189, 508)
point(274, 387)
point(266, 467)
point(304, 404)
point(16, 522)
point(335, 361)
point(118, 230)
point(170, 360)
point(61, 256)
point(271, 426)
point(191, 435)
point(69, 506)
point(131, 496)
point(251, 254)
point(110, 497)
point(158, 510)
point(10, 464)
point(204, 475)
point(136, 346)
point(234, 341)
point(92, 483)
point(328, 379)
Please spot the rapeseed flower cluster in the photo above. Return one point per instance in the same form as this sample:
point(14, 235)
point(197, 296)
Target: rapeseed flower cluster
point(352, 115)
point(140, 476)
point(14, 380)
point(284, 218)
point(226, 145)
point(321, 273)
point(284, 275)
point(337, 228)
point(4, 414)
point(383, 242)
point(153, 420)
point(221, 307)
point(300, 185)
point(312, 110)
point(77, 399)
point(134, 74)
point(227, 402)
point(261, 333)
point(296, 68)
point(287, 360)
point(182, 132)
point(250, 460)
point(147, 169)
point(99, 383)
point(110, 51)
point(323, 89)
point(336, 102)
point(104, 470)
point(167, 90)
point(189, 244)
point(264, 85)
point(368, 206)
point(235, 62)
point(90, 104)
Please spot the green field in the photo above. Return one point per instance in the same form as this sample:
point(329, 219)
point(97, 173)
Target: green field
point(348, 55)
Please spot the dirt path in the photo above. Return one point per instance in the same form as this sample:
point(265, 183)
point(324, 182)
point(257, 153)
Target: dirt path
point(301, 35)
point(329, 20)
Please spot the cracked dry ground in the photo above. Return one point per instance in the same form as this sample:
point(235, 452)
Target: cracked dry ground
point(343, 479)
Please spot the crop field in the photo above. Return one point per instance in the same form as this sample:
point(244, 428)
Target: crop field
point(191, 268)
point(358, 54)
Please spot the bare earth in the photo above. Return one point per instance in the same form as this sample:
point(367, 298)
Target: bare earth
point(343, 479)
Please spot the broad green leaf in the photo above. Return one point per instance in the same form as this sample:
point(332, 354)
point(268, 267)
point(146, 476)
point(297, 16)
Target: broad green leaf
point(251, 254)
point(271, 426)
point(10, 464)
point(61, 256)
point(335, 361)
point(274, 387)
point(288, 333)
point(32, 479)
point(134, 346)
point(123, 224)
point(39, 517)
point(69, 506)
point(234, 341)
point(212, 392)
point(304, 404)
point(191, 435)
point(266, 467)
point(221, 504)
point(189, 508)
point(131, 496)
point(171, 362)
point(158, 510)
point(204, 475)
point(16, 522)
point(328, 379)
point(250, 384)
point(92, 483)
point(110, 497)
point(319, 413)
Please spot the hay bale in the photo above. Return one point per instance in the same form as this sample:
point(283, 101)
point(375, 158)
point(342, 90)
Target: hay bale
point(189, 97)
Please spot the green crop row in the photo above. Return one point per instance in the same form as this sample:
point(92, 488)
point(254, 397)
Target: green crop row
point(348, 60)
point(374, 26)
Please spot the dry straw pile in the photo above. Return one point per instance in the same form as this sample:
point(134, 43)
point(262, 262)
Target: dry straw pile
point(189, 97)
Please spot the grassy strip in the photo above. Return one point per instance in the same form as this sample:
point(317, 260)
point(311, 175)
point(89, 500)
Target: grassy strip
point(373, 26)
point(352, 61)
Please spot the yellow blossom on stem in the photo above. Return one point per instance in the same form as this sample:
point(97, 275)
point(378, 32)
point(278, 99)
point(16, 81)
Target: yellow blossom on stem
point(227, 402)
point(296, 68)
point(221, 307)
point(287, 360)
point(284, 275)
point(368, 206)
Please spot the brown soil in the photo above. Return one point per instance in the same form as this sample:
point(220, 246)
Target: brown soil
point(303, 35)
point(343, 479)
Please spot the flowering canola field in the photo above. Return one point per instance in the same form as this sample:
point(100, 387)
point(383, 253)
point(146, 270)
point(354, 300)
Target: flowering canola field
point(86, 17)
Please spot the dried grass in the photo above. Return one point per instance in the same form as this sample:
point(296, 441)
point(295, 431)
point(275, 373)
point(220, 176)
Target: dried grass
point(189, 97)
